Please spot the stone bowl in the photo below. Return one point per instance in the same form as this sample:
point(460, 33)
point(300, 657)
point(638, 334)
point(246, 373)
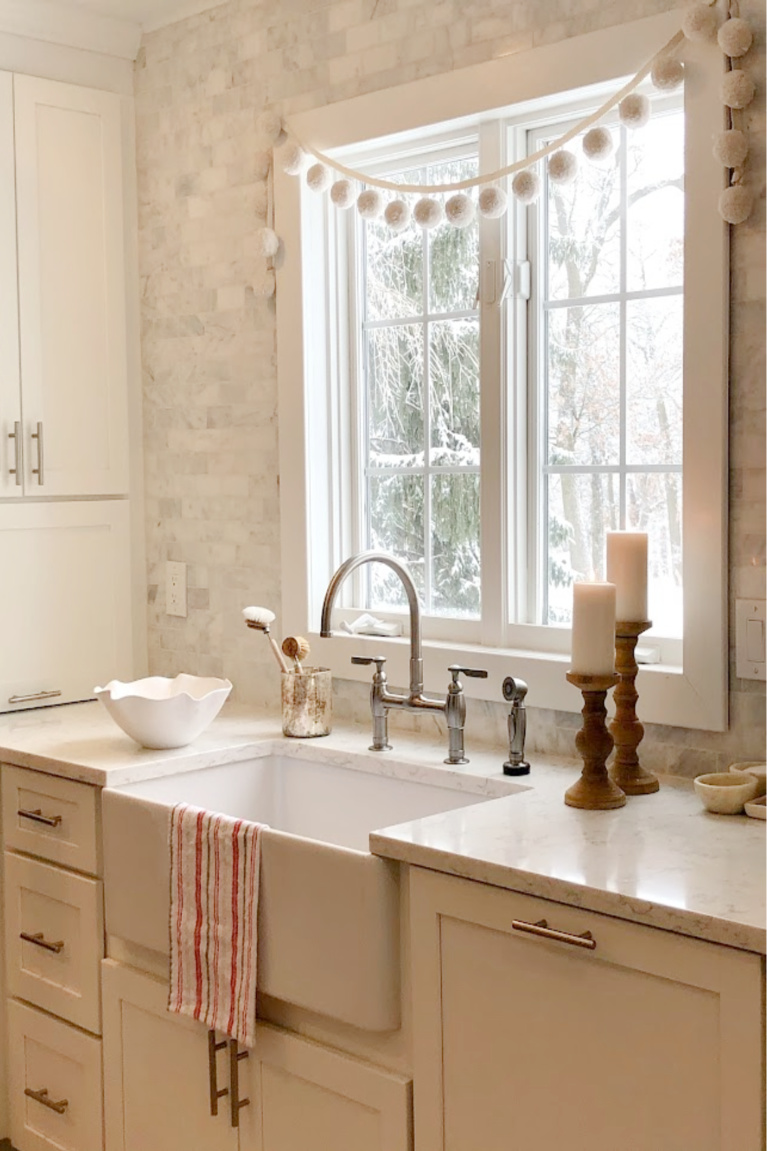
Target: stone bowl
point(725, 792)
point(162, 713)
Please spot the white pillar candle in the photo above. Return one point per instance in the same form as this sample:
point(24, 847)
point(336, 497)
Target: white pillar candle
point(593, 629)
point(627, 569)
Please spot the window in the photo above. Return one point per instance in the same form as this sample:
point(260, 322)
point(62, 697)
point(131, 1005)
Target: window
point(486, 403)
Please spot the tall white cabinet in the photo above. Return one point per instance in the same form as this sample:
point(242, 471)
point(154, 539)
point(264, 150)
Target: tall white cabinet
point(65, 594)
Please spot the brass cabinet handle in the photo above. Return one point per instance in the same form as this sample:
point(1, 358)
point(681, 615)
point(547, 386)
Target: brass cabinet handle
point(34, 696)
point(235, 1102)
point(38, 817)
point(542, 929)
point(16, 436)
point(215, 1093)
point(39, 471)
point(39, 940)
point(42, 1097)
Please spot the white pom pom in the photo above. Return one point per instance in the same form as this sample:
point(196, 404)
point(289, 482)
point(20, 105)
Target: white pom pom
point(735, 204)
point(667, 73)
point(460, 210)
point(318, 178)
point(370, 204)
point(731, 148)
point(700, 22)
point(428, 213)
point(634, 110)
point(492, 202)
point(294, 159)
point(737, 89)
point(735, 37)
point(526, 186)
point(598, 145)
point(342, 194)
point(563, 167)
point(268, 242)
point(262, 162)
point(269, 124)
point(397, 215)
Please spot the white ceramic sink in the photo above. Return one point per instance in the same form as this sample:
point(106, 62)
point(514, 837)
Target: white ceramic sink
point(329, 910)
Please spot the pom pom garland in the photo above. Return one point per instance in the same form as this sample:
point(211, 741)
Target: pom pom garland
point(731, 148)
point(598, 145)
point(397, 215)
point(460, 210)
point(526, 186)
point(268, 242)
point(634, 110)
point(294, 160)
point(342, 194)
point(269, 124)
point(428, 213)
point(492, 202)
point(318, 178)
point(667, 73)
point(737, 89)
point(735, 37)
point(700, 22)
point(735, 204)
point(563, 167)
point(262, 162)
point(370, 204)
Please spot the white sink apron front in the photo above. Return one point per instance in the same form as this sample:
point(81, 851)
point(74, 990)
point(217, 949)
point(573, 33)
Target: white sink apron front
point(328, 920)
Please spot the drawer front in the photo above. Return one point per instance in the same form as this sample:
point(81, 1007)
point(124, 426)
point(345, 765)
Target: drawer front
point(51, 817)
point(54, 935)
point(54, 1083)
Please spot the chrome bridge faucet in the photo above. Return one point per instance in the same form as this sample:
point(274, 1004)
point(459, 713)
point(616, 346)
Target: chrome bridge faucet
point(453, 706)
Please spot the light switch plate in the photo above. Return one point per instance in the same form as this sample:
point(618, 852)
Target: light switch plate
point(175, 588)
point(750, 654)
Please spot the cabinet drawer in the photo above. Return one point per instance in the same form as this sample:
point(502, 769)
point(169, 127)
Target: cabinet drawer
point(51, 817)
point(53, 1062)
point(54, 936)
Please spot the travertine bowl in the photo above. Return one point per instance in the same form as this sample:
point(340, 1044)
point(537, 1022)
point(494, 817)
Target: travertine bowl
point(726, 792)
point(162, 713)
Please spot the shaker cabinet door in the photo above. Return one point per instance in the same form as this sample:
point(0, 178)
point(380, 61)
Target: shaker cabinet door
point(69, 181)
point(11, 428)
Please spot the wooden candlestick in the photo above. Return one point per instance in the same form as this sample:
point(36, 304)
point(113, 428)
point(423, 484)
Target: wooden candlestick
point(594, 791)
point(627, 731)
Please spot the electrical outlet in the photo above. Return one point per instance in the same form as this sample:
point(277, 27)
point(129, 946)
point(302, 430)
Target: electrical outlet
point(175, 588)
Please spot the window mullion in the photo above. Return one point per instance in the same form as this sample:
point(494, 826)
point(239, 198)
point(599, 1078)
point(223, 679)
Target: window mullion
point(427, 557)
point(623, 319)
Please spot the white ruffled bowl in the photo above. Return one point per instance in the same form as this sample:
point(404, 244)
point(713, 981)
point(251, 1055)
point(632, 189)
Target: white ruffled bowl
point(162, 713)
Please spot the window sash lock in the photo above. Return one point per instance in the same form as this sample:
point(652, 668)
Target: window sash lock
point(517, 280)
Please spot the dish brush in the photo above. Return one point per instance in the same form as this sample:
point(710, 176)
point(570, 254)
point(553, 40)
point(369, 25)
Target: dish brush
point(296, 648)
point(260, 618)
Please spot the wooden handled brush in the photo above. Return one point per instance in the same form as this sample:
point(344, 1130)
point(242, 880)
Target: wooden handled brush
point(260, 618)
point(296, 648)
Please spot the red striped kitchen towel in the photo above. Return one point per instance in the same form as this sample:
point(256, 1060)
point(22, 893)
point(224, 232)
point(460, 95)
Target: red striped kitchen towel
point(214, 866)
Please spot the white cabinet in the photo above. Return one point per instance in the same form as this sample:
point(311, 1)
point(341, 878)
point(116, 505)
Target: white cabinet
point(161, 1076)
point(63, 346)
point(66, 597)
point(525, 1042)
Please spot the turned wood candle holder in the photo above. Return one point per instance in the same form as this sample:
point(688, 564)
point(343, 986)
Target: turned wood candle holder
point(626, 730)
point(594, 791)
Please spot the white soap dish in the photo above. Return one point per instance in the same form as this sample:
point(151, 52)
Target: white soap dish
point(162, 713)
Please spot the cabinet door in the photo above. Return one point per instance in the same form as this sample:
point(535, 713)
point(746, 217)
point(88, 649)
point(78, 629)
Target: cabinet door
point(71, 288)
point(11, 438)
point(650, 1041)
point(65, 600)
point(156, 1072)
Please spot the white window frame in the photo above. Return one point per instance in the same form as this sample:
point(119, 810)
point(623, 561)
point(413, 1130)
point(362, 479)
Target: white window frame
point(313, 352)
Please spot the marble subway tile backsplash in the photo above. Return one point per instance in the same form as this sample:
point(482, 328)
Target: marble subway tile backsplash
point(208, 332)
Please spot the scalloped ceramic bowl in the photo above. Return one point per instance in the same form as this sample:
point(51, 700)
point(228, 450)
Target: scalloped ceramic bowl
point(162, 713)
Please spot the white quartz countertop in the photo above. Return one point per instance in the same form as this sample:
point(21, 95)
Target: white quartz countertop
point(661, 860)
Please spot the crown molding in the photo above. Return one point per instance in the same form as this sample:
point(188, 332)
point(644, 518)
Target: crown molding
point(179, 11)
point(70, 25)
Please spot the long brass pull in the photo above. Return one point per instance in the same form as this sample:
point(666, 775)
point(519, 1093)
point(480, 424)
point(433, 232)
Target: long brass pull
point(38, 817)
point(39, 940)
point(17, 469)
point(235, 1102)
point(39, 470)
point(542, 929)
point(215, 1093)
point(42, 1097)
point(34, 696)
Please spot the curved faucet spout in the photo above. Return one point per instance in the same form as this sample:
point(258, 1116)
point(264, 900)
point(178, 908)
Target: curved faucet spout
point(350, 565)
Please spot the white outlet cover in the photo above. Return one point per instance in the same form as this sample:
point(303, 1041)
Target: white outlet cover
point(750, 634)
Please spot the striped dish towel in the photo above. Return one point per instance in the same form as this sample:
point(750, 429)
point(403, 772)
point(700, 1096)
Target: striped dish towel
point(214, 866)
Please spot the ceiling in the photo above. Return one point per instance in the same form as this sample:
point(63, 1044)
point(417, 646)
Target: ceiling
point(148, 13)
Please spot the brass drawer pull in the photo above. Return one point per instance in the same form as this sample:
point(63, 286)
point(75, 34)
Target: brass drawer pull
point(236, 1103)
point(542, 929)
point(39, 940)
point(42, 1097)
point(215, 1093)
point(38, 817)
point(34, 696)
